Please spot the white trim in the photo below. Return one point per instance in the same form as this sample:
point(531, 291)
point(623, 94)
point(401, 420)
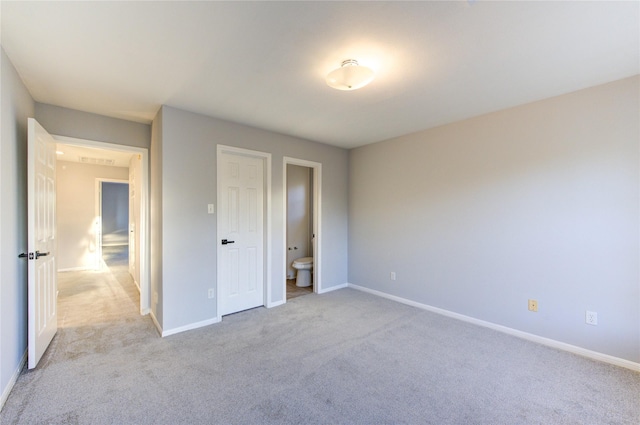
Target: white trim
point(107, 180)
point(135, 282)
point(190, 327)
point(276, 304)
point(145, 234)
point(155, 322)
point(267, 295)
point(317, 222)
point(13, 380)
point(334, 288)
point(266, 157)
point(75, 269)
point(606, 358)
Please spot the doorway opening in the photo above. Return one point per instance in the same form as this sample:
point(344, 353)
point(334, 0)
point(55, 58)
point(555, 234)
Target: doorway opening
point(114, 218)
point(103, 211)
point(302, 227)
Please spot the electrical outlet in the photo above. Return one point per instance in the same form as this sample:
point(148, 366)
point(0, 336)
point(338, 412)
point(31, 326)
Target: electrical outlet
point(533, 305)
point(392, 276)
point(591, 318)
point(211, 293)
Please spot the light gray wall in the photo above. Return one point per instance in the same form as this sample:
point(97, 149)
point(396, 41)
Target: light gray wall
point(76, 211)
point(188, 150)
point(539, 201)
point(84, 125)
point(16, 106)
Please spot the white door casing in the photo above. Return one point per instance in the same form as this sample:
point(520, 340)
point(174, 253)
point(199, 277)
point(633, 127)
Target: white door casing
point(98, 226)
point(132, 221)
point(42, 270)
point(241, 223)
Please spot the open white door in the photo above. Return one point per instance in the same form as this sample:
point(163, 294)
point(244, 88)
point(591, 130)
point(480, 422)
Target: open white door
point(41, 198)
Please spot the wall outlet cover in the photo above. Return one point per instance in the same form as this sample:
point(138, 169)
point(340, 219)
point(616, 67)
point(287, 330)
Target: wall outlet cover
point(591, 318)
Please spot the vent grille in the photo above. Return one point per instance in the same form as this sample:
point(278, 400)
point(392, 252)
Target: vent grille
point(97, 161)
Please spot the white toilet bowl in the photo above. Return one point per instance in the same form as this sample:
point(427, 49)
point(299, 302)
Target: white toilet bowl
point(304, 266)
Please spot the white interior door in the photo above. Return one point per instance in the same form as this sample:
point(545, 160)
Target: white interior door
point(42, 285)
point(240, 232)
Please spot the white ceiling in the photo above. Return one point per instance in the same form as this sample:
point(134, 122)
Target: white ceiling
point(93, 156)
point(263, 63)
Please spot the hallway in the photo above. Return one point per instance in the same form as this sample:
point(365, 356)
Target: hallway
point(98, 298)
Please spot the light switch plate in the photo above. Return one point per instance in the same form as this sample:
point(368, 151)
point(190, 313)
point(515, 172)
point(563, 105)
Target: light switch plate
point(210, 209)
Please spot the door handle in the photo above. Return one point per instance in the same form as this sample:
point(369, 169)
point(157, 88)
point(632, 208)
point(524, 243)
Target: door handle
point(225, 242)
point(41, 254)
point(25, 255)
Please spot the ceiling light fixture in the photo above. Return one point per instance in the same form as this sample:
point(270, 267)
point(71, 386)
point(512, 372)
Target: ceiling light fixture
point(350, 76)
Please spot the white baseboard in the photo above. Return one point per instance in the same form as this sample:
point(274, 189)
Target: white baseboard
point(75, 269)
point(14, 378)
point(275, 304)
point(190, 326)
point(155, 322)
point(332, 288)
point(510, 331)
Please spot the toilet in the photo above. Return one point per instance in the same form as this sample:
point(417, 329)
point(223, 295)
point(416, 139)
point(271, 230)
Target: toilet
point(304, 266)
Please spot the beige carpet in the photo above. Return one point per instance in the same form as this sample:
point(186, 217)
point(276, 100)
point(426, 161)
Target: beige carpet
point(339, 358)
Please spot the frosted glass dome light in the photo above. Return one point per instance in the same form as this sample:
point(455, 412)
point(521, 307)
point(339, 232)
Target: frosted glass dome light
point(350, 76)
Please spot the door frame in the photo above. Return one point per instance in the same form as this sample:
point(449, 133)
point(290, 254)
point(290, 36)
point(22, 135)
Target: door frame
point(145, 300)
point(267, 251)
point(98, 223)
point(317, 220)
